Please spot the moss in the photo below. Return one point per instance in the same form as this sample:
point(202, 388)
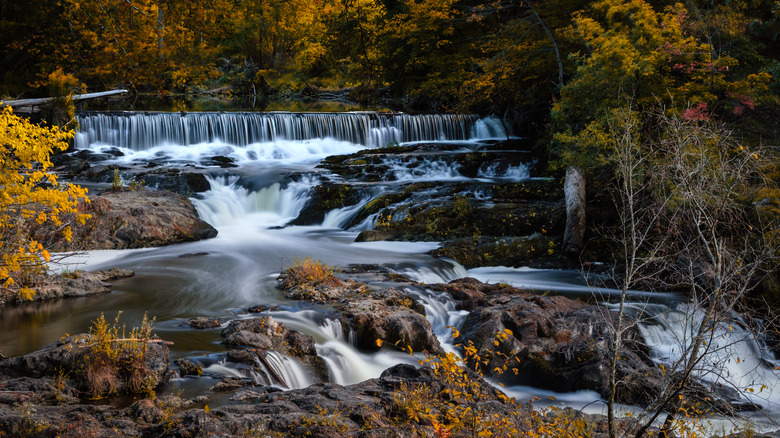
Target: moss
point(505, 251)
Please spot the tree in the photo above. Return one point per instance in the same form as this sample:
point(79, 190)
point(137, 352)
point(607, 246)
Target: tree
point(30, 195)
point(688, 223)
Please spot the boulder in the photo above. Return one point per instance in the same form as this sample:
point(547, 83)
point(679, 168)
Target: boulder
point(265, 333)
point(392, 317)
point(560, 344)
point(131, 219)
point(76, 356)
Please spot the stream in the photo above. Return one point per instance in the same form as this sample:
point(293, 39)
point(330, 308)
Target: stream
point(275, 157)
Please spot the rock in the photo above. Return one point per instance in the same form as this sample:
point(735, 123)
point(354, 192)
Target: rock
point(132, 219)
point(71, 284)
point(559, 344)
point(265, 333)
point(391, 316)
point(188, 367)
point(74, 355)
point(537, 250)
point(324, 198)
point(202, 323)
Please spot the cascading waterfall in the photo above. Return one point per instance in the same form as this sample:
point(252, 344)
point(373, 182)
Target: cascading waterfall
point(735, 358)
point(228, 202)
point(513, 173)
point(423, 169)
point(149, 130)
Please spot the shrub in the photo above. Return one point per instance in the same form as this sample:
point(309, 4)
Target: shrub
point(116, 361)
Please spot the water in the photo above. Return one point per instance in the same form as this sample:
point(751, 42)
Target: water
point(221, 277)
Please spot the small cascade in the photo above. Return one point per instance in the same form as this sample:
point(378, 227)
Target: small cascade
point(441, 312)
point(513, 173)
point(228, 202)
point(286, 371)
point(141, 131)
point(438, 271)
point(340, 217)
point(735, 357)
point(489, 127)
point(423, 169)
point(333, 329)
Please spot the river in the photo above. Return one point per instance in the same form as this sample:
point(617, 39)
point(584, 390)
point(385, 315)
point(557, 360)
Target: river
point(275, 157)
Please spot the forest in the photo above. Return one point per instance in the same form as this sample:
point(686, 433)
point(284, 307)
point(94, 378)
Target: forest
point(543, 64)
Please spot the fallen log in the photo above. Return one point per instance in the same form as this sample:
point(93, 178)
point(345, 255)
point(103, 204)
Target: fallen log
point(32, 103)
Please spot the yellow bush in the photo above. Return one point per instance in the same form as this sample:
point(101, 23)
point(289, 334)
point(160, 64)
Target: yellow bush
point(29, 194)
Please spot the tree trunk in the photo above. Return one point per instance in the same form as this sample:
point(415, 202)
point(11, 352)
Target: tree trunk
point(574, 189)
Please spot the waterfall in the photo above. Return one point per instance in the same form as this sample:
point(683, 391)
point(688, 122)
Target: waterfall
point(734, 356)
point(513, 173)
point(142, 131)
point(227, 202)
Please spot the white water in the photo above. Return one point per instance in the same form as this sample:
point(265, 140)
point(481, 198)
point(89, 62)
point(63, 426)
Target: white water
point(734, 357)
point(513, 173)
point(145, 131)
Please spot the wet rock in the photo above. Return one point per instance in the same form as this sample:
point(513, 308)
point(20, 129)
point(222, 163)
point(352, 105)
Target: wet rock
point(559, 344)
point(132, 219)
point(187, 367)
point(231, 384)
point(265, 333)
point(202, 323)
point(325, 198)
point(71, 284)
point(219, 160)
point(391, 316)
point(174, 180)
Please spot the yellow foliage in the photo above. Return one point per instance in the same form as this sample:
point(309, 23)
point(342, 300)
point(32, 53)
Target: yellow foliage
point(28, 193)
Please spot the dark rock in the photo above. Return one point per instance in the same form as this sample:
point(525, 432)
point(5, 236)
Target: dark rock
point(72, 355)
point(231, 384)
point(202, 323)
point(391, 316)
point(265, 333)
point(324, 198)
point(71, 284)
point(187, 367)
point(537, 250)
point(560, 344)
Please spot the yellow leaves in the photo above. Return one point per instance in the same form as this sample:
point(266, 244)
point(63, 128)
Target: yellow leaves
point(24, 152)
point(379, 343)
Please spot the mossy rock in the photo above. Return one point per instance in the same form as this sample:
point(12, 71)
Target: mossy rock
point(324, 198)
point(537, 190)
point(503, 251)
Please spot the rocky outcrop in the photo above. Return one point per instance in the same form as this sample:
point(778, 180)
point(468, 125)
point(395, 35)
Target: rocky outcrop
point(537, 251)
point(265, 333)
point(132, 219)
point(403, 395)
point(71, 284)
point(390, 316)
point(552, 342)
point(76, 362)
